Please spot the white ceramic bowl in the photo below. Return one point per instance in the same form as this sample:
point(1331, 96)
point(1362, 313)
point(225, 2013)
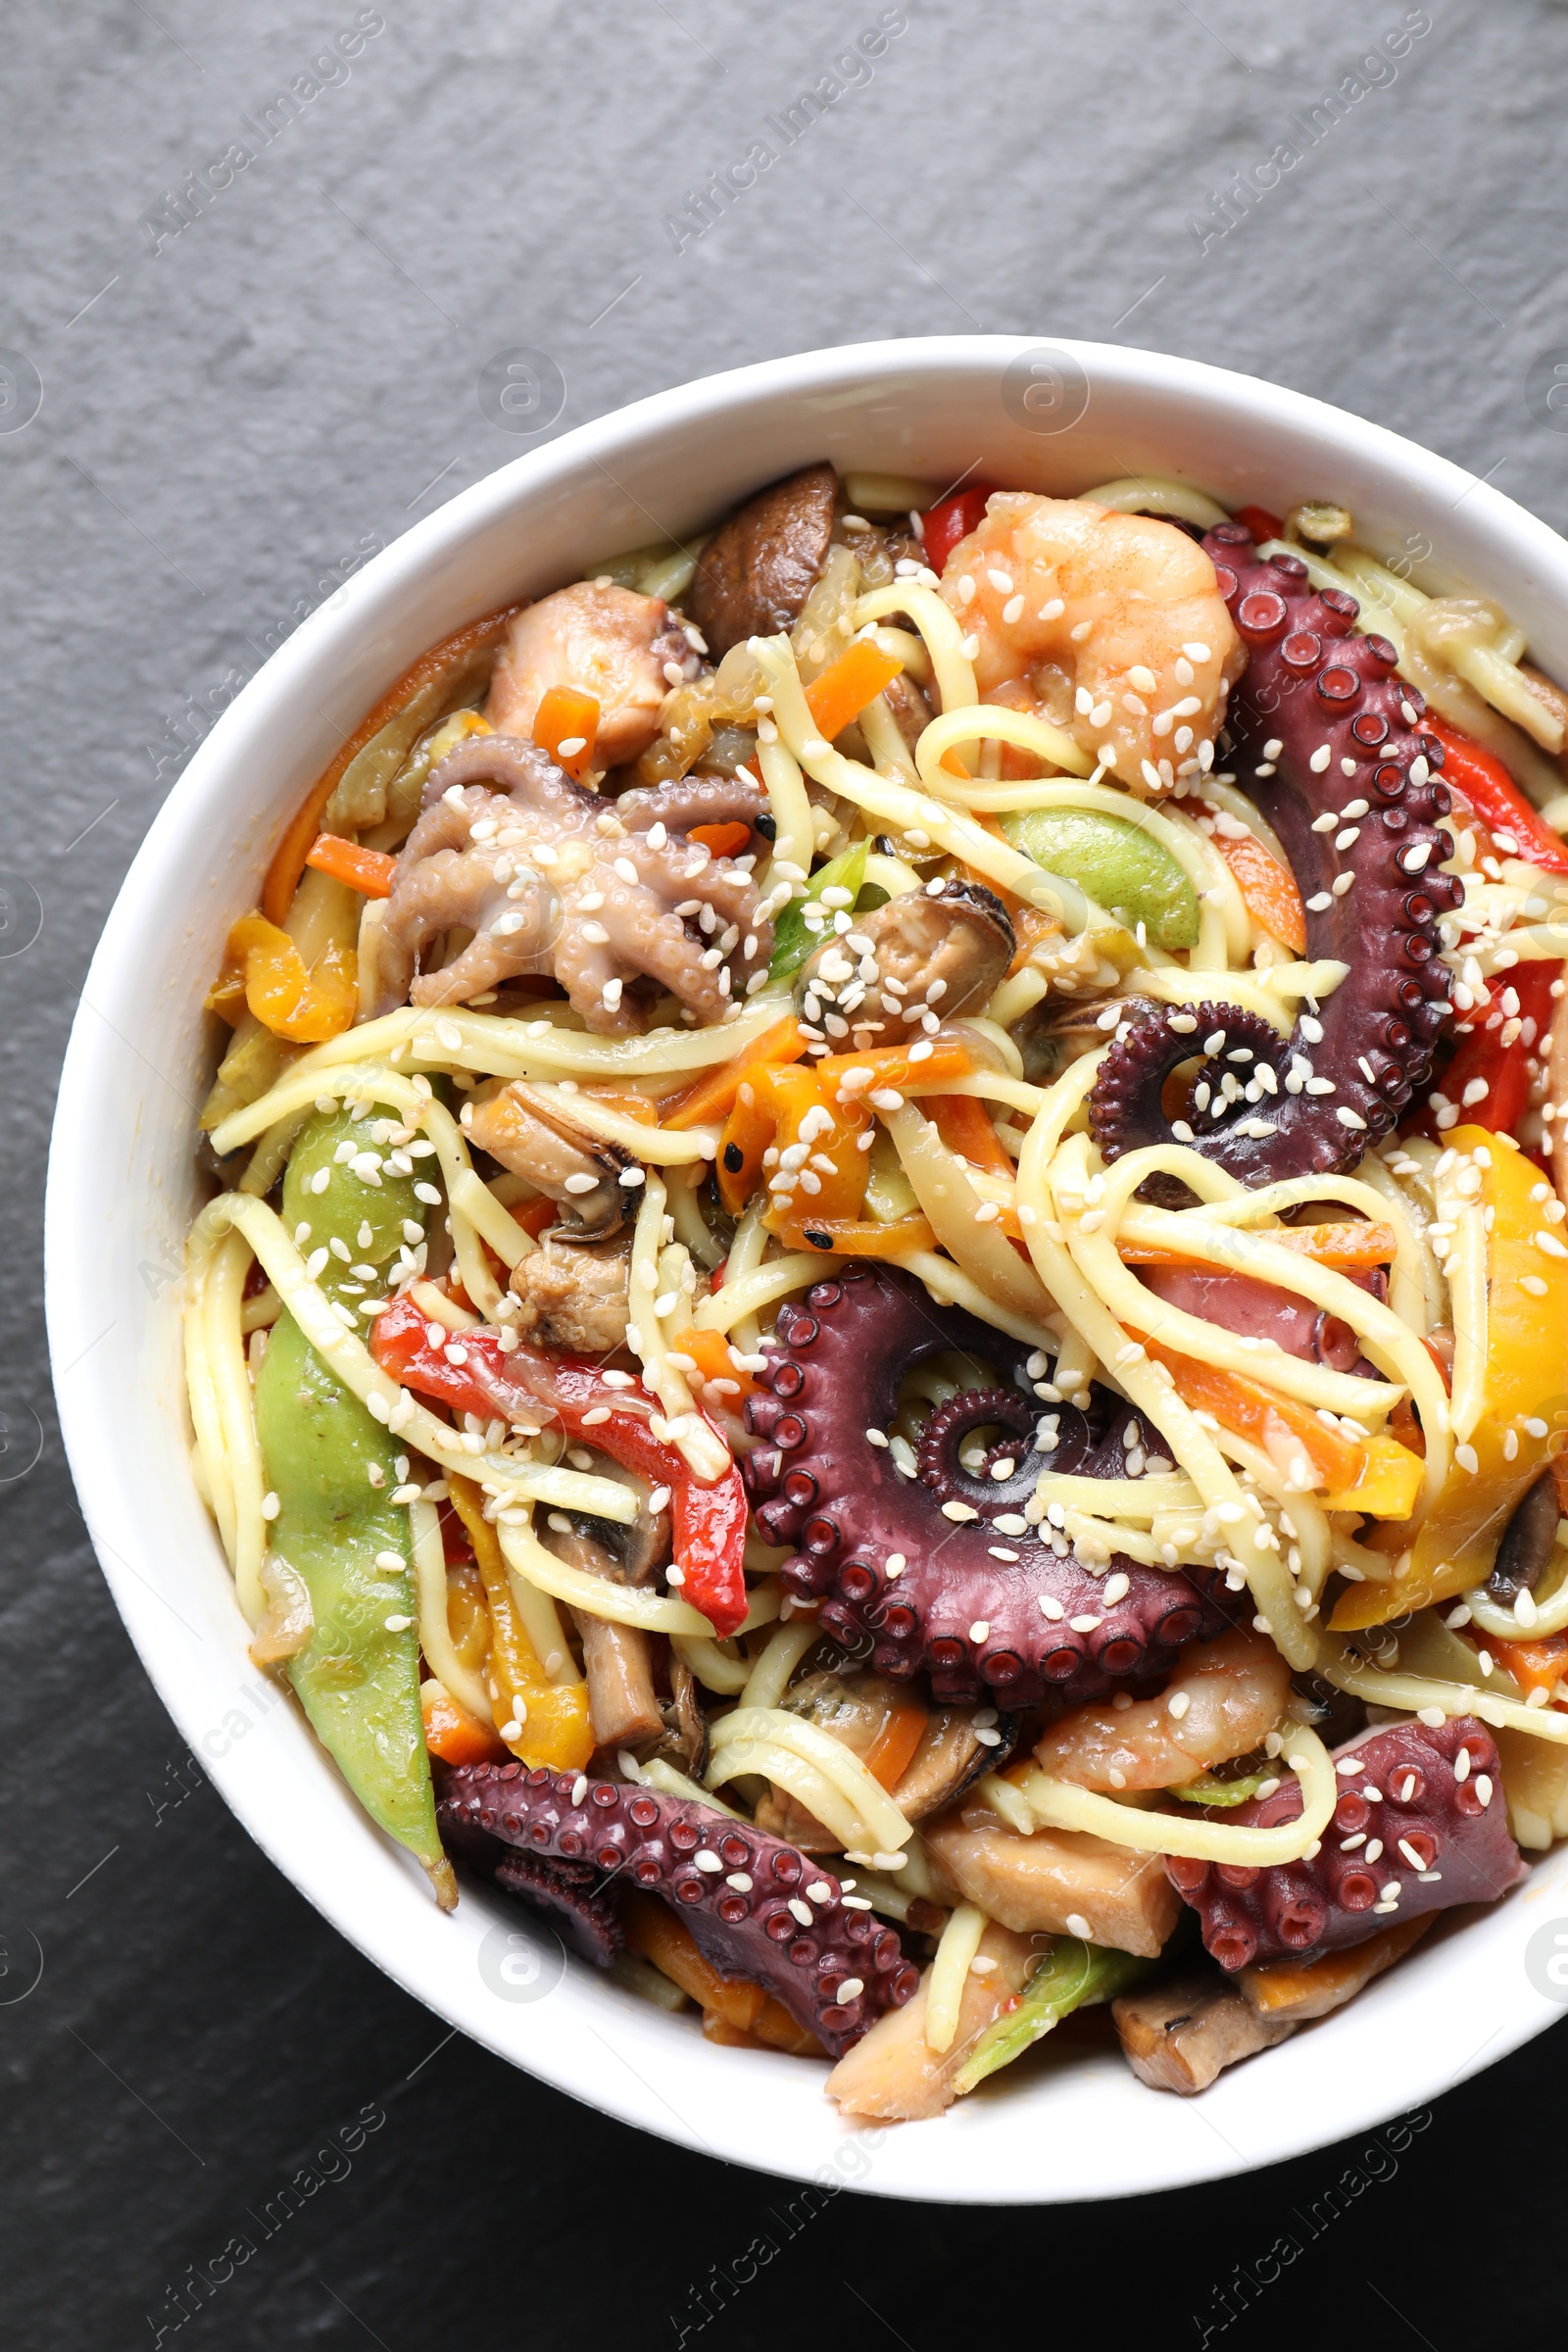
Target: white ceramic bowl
point(122, 1189)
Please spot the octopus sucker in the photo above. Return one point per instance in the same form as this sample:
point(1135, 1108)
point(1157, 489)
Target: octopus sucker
point(1329, 744)
point(756, 1906)
point(1419, 1826)
point(915, 1564)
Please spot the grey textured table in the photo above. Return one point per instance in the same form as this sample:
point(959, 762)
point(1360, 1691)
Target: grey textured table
point(247, 386)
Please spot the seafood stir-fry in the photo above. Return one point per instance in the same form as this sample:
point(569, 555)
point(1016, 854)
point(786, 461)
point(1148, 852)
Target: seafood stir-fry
point(881, 1321)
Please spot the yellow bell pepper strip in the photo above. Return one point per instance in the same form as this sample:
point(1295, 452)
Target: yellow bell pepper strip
point(1526, 1393)
point(370, 872)
point(713, 1097)
point(855, 1237)
point(1261, 1414)
point(1268, 893)
point(566, 725)
point(1388, 1485)
point(842, 691)
point(417, 700)
point(295, 1002)
point(708, 1521)
point(554, 1728)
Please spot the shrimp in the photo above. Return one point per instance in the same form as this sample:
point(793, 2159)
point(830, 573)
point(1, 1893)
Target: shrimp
point(625, 649)
point(1220, 1703)
point(1117, 615)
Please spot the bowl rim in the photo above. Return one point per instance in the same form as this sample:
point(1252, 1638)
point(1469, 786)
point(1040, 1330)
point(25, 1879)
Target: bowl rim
point(734, 2127)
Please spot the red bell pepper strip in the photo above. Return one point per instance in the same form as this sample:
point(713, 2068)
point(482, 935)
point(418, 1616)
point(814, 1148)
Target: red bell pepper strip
point(952, 519)
point(709, 1522)
point(1482, 1057)
point(1260, 521)
point(1497, 801)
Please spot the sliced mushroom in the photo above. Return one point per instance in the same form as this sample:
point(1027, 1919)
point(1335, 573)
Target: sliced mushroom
point(1180, 2035)
point(617, 1659)
point(575, 1294)
point(1527, 1543)
point(756, 571)
point(1048, 1881)
point(945, 950)
point(609, 642)
point(951, 1757)
point(529, 1134)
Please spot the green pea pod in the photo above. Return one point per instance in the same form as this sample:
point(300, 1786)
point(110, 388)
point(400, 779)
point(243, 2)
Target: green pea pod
point(1206, 1791)
point(1117, 863)
point(1072, 1976)
point(332, 1467)
point(794, 940)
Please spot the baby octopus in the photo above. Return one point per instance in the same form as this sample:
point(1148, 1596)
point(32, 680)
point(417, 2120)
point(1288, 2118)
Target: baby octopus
point(1330, 744)
point(1114, 622)
point(550, 878)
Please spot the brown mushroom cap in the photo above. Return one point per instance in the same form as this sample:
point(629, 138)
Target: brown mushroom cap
point(948, 951)
point(756, 571)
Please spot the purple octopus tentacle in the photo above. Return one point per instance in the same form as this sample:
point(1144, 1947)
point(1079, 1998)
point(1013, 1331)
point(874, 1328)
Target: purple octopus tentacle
point(1420, 1825)
point(913, 1563)
point(1328, 742)
point(756, 1907)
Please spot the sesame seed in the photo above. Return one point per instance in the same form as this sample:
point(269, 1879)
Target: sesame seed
point(1078, 1926)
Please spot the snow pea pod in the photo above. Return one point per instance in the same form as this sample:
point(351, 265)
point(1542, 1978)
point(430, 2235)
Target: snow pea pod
point(1071, 1976)
point(333, 1469)
point(1114, 862)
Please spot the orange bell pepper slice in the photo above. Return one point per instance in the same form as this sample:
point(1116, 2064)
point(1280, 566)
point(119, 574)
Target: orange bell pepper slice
point(566, 716)
point(1456, 1544)
point(1268, 890)
point(304, 1005)
point(713, 1097)
point(1258, 1413)
point(553, 1716)
point(842, 691)
point(734, 2010)
point(771, 1106)
point(370, 871)
point(852, 1236)
point(288, 858)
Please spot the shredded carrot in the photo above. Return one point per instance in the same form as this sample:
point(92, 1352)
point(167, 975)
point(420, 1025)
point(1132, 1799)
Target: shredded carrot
point(556, 1730)
point(534, 1216)
point(846, 685)
point(898, 1066)
point(713, 1097)
point(566, 716)
point(734, 2010)
point(454, 1735)
point(855, 1237)
point(1283, 1986)
point(1260, 1413)
point(722, 841)
point(708, 1350)
point(1535, 1665)
point(1268, 890)
point(887, 1759)
point(288, 858)
point(369, 871)
point(1348, 1245)
point(965, 1127)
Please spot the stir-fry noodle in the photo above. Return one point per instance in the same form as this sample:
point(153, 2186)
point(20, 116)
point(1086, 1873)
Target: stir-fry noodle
point(888, 1282)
